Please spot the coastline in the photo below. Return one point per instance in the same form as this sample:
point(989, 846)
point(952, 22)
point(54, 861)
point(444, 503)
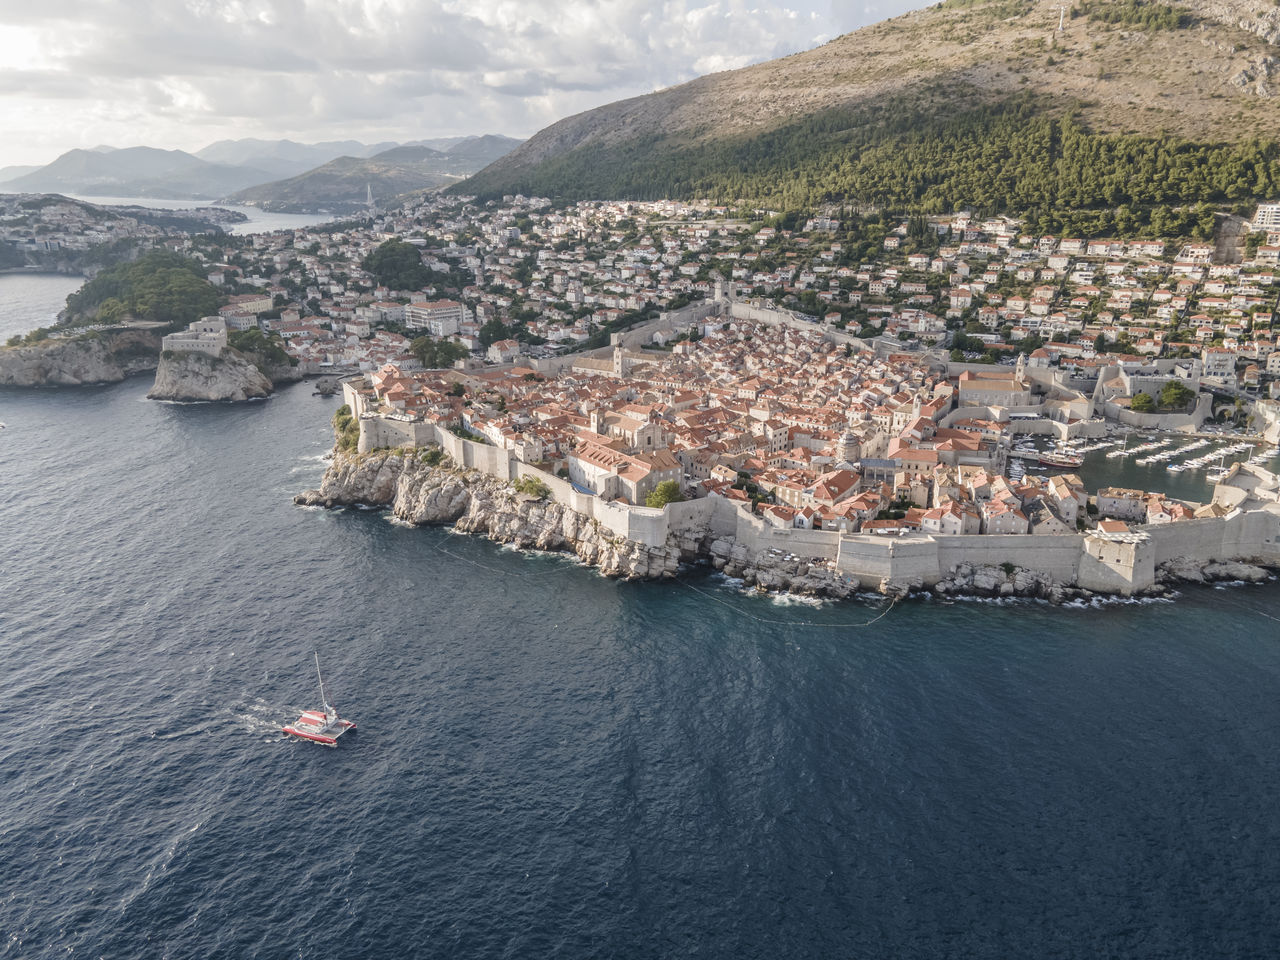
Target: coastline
point(424, 493)
point(39, 272)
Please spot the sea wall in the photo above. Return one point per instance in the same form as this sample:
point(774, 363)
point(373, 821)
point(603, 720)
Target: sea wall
point(1248, 535)
point(1125, 565)
point(813, 561)
point(928, 559)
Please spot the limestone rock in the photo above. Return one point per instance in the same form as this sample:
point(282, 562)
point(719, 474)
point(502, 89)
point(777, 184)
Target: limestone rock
point(1235, 571)
point(199, 376)
point(480, 504)
point(106, 357)
point(1181, 568)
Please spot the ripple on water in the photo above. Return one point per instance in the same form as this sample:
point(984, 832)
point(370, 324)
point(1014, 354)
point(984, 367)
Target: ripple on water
point(553, 763)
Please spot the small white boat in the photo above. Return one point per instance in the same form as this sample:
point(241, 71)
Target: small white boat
point(320, 726)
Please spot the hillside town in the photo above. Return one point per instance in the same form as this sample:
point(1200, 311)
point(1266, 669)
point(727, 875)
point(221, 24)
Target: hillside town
point(524, 280)
point(44, 227)
point(861, 375)
point(876, 378)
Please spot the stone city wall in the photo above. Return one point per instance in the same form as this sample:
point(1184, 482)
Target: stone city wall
point(1162, 421)
point(1116, 566)
point(1095, 563)
point(759, 537)
point(928, 559)
point(1242, 535)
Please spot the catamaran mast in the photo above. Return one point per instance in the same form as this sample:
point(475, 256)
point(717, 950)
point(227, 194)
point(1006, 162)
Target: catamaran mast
point(323, 699)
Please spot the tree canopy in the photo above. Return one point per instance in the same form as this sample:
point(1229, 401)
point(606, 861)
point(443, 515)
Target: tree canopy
point(1021, 156)
point(398, 265)
point(668, 491)
point(436, 354)
point(1175, 395)
point(159, 286)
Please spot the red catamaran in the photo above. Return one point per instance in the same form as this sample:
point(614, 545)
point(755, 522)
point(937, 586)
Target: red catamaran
point(320, 726)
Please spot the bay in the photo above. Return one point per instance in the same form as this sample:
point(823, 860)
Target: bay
point(31, 300)
point(259, 221)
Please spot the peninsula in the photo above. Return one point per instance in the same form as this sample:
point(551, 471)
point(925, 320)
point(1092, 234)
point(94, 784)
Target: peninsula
point(792, 457)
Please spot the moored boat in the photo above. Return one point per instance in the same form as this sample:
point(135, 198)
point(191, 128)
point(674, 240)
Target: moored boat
point(1060, 460)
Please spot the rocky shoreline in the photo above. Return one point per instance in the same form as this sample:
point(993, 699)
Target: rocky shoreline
point(421, 492)
point(107, 356)
point(111, 356)
point(231, 376)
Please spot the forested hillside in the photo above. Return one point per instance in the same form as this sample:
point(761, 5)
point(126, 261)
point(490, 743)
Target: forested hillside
point(1130, 116)
point(159, 286)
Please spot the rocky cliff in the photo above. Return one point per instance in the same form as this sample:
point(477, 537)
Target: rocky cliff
point(474, 502)
point(231, 376)
point(100, 357)
point(419, 492)
point(477, 503)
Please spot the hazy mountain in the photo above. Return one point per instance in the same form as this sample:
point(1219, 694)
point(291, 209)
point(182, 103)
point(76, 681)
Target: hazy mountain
point(979, 100)
point(413, 153)
point(288, 158)
point(285, 158)
point(342, 184)
point(482, 150)
point(10, 173)
point(439, 143)
point(135, 172)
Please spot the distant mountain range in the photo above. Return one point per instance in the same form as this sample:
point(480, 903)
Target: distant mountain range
point(136, 172)
point(999, 104)
point(284, 173)
point(342, 184)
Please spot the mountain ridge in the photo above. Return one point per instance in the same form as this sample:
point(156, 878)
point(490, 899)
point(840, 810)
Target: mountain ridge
point(1118, 68)
point(342, 184)
point(228, 166)
point(135, 172)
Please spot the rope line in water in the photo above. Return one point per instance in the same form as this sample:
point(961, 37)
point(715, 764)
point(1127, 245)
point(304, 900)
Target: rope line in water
point(1245, 606)
point(496, 570)
point(734, 607)
point(787, 623)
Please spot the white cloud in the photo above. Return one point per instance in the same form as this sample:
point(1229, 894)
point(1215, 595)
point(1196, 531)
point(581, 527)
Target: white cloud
point(184, 72)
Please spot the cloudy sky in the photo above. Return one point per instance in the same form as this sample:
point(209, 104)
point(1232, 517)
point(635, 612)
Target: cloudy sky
point(183, 73)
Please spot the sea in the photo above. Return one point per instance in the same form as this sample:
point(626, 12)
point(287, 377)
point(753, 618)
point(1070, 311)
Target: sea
point(259, 221)
point(549, 763)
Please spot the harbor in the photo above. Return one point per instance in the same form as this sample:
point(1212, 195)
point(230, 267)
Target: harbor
point(1183, 466)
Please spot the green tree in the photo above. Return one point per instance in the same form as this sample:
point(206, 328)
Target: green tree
point(160, 286)
point(1175, 395)
point(1143, 403)
point(437, 354)
point(493, 331)
point(668, 491)
point(398, 265)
